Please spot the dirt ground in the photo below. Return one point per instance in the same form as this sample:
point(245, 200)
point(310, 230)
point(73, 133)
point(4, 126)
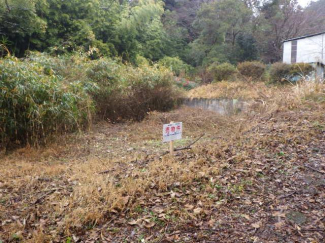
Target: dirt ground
point(257, 177)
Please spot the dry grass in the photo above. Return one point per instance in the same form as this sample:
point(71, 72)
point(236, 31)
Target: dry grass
point(233, 90)
point(310, 90)
point(80, 195)
point(55, 192)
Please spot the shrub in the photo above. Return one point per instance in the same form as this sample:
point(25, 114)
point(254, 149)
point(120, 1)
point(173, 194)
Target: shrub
point(185, 83)
point(282, 72)
point(253, 70)
point(128, 92)
point(301, 69)
point(175, 64)
point(204, 75)
point(224, 71)
point(43, 95)
point(140, 60)
point(68, 67)
point(279, 72)
point(34, 105)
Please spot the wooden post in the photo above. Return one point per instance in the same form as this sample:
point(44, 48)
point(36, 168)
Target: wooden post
point(171, 145)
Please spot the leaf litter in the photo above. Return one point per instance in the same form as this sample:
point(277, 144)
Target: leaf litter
point(245, 181)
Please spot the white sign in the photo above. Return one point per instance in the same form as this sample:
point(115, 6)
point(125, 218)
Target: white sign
point(172, 131)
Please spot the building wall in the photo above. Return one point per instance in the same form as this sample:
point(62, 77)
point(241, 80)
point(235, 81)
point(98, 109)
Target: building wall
point(320, 72)
point(287, 52)
point(309, 50)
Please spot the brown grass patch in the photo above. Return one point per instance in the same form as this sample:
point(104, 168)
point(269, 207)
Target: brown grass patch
point(233, 90)
point(56, 192)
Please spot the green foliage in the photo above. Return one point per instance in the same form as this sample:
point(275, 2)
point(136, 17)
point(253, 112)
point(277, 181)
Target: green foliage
point(196, 31)
point(185, 83)
point(35, 104)
point(128, 92)
point(302, 69)
point(77, 23)
point(140, 31)
point(140, 60)
point(102, 27)
point(175, 64)
point(203, 75)
point(279, 72)
point(220, 24)
point(224, 71)
point(282, 72)
point(44, 95)
point(18, 22)
point(178, 35)
point(253, 70)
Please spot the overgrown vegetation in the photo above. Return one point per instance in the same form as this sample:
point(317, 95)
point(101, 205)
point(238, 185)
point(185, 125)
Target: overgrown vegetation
point(99, 186)
point(43, 95)
point(252, 70)
point(176, 65)
point(127, 92)
point(35, 103)
point(283, 73)
point(234, 90)
point(224, 71)
point(197, 32)
point(253, 176)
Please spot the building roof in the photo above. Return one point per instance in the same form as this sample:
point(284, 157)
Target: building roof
point(305, 36)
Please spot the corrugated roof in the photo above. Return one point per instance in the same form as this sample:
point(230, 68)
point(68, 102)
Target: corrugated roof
point(305, 36)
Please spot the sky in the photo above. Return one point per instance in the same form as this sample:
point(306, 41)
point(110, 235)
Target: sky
point(304, 3)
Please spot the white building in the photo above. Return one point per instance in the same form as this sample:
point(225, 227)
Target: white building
point(306, 49)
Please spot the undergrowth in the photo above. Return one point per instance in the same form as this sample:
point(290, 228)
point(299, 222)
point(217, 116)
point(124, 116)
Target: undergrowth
point(44, 95)
point(35, 104)
point(92, 190)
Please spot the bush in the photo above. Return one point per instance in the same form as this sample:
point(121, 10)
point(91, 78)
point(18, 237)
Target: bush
point(128, 92)
point(35, 104)
point(204, 75)
point(43, 95)
point(175, 64)
point(140, 60)
point(282, 72)
point(68, 67)
point(253, 70)
point(301, 69)
point(279, 72)
point(118, 96)
point(224, 71)
point(185, 83)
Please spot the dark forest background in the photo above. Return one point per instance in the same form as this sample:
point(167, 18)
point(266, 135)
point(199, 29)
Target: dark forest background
point(199, 32)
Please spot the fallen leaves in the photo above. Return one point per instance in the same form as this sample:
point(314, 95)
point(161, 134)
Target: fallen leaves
point(146, 222)
point(279, 225)
point(232, 189)
point(256, 225)
point(197, 210)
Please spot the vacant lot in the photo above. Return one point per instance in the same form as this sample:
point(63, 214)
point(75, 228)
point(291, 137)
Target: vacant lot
point(255, 177)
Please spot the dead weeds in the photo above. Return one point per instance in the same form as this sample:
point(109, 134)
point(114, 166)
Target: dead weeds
point(234, 90)
point(248, 180)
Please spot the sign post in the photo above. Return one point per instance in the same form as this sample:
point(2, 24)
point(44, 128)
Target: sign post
point(171, 132)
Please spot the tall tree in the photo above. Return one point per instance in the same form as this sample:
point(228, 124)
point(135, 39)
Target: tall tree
point(219, 24)
point(75, 23)
point(18, 22)
point(315, 17)
point(277, 21)
point(140, 30)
